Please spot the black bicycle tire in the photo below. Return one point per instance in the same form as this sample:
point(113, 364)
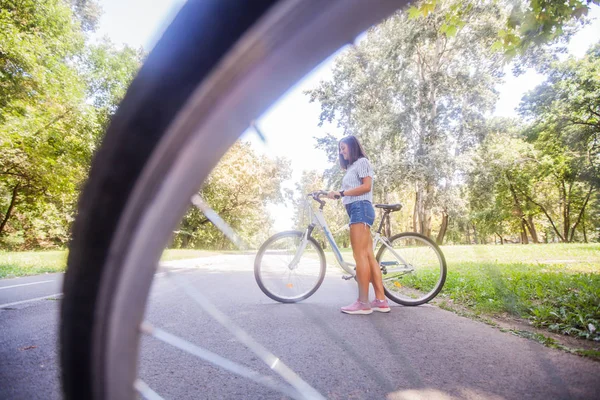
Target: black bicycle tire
point(258, 259)
point(100, 313)
point(164, 83)
point(444, 269)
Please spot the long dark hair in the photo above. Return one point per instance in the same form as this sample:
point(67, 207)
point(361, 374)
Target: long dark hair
point(356, 151)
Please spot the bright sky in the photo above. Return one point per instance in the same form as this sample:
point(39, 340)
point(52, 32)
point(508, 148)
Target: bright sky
point(291, 124)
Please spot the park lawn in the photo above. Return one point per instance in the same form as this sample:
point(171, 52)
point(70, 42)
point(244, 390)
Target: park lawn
point(553, 286)
point(24, 263)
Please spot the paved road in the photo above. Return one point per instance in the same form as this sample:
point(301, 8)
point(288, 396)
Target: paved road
point(411, 353)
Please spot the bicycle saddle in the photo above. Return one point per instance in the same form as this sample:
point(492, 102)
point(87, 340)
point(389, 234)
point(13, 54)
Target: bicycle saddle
point(390, 207)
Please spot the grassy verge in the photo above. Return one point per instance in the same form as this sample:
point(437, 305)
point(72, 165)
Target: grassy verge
point(553, 287)
point(15, 264)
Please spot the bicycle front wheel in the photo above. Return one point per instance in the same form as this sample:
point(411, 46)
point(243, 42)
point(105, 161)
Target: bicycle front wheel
point(413, 268)
point(287, 273)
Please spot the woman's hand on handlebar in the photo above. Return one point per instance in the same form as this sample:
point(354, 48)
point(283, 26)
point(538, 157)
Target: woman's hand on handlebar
point(333, 195)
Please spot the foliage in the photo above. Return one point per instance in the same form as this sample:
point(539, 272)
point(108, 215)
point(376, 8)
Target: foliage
point(239, 190)
point(56, 97)
point(564, 115)
point(36, 38)
point(334, 212)
point(502, 183)
point(527, 23)
point(416, 95)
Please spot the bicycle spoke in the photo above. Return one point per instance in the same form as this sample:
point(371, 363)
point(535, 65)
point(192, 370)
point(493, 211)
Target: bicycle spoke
point(266, 356)
point(213, 358)
point(145, 391)
point(216, 219)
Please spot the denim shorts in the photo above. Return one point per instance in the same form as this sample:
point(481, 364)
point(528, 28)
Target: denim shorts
point(361, 211)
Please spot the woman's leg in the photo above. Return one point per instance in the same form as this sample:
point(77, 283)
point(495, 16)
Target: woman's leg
point(360, 237)
point(376, 277)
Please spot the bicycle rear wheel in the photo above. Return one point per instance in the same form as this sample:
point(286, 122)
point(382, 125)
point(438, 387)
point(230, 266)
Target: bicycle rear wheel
point(217, 67)
point(285, 274)
point(414, 269)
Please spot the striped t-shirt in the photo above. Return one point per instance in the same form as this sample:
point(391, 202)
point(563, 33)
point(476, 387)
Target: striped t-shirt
point(356, 171)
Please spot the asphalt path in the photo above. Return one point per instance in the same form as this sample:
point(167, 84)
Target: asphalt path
point(411, 353)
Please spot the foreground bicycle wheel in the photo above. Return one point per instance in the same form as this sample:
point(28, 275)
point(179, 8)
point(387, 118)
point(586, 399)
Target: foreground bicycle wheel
point(217, 67)
point(414, 272)
point(284, 274)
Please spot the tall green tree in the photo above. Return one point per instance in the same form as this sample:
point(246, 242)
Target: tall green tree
point(502, 183)
point(56, 96)
point(239, 189)
point(36, 38)
point(416, 92)
point(564, 113)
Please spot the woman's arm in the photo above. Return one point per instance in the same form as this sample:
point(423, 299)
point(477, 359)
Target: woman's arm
point(365, 187)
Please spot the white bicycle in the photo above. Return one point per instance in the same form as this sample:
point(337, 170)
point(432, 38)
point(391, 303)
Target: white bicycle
point(290, 266)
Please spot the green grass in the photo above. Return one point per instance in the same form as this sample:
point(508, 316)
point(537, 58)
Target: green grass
point(15, 264)
point(554, 286)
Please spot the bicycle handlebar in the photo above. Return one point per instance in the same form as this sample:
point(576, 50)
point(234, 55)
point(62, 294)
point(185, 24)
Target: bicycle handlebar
point(317, 196)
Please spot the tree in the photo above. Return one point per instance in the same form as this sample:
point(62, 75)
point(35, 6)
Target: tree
point(502, 183)
point(239, 189)
point(527, 24)
point(107, 72)
point(415, 92)
point(564, 113)
point(55, 100)
point(37, 37)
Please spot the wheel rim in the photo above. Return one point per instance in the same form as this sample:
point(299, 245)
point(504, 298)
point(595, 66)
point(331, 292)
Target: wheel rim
point(285, 276)
point(420, 279)
point(170, 179)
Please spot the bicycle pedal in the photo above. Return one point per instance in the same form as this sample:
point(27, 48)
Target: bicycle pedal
point(347, 277)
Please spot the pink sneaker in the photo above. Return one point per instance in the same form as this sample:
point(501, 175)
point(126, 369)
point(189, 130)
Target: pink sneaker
point(380, 305)
point(358, 307)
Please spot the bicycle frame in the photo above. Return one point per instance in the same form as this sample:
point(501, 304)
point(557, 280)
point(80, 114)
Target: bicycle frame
point(318, 219)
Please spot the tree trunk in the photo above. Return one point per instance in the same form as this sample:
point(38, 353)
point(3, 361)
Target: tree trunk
point(440, 237)
point(501, 239)
point(565, 203)
point(524, 239)
point(475, 238)
point(387, 222)
point(387, 226)
point(580, 216)
point(528, 222)
point(416, 210)
point(424, 209)
point(468, 234)
point(541, 207)
point(13, 200)
point(532, 230)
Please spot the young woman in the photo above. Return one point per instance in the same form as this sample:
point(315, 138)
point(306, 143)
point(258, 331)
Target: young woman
point(357, 196)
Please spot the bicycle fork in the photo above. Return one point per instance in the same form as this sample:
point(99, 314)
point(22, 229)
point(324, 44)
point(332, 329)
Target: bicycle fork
point(294, 263)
